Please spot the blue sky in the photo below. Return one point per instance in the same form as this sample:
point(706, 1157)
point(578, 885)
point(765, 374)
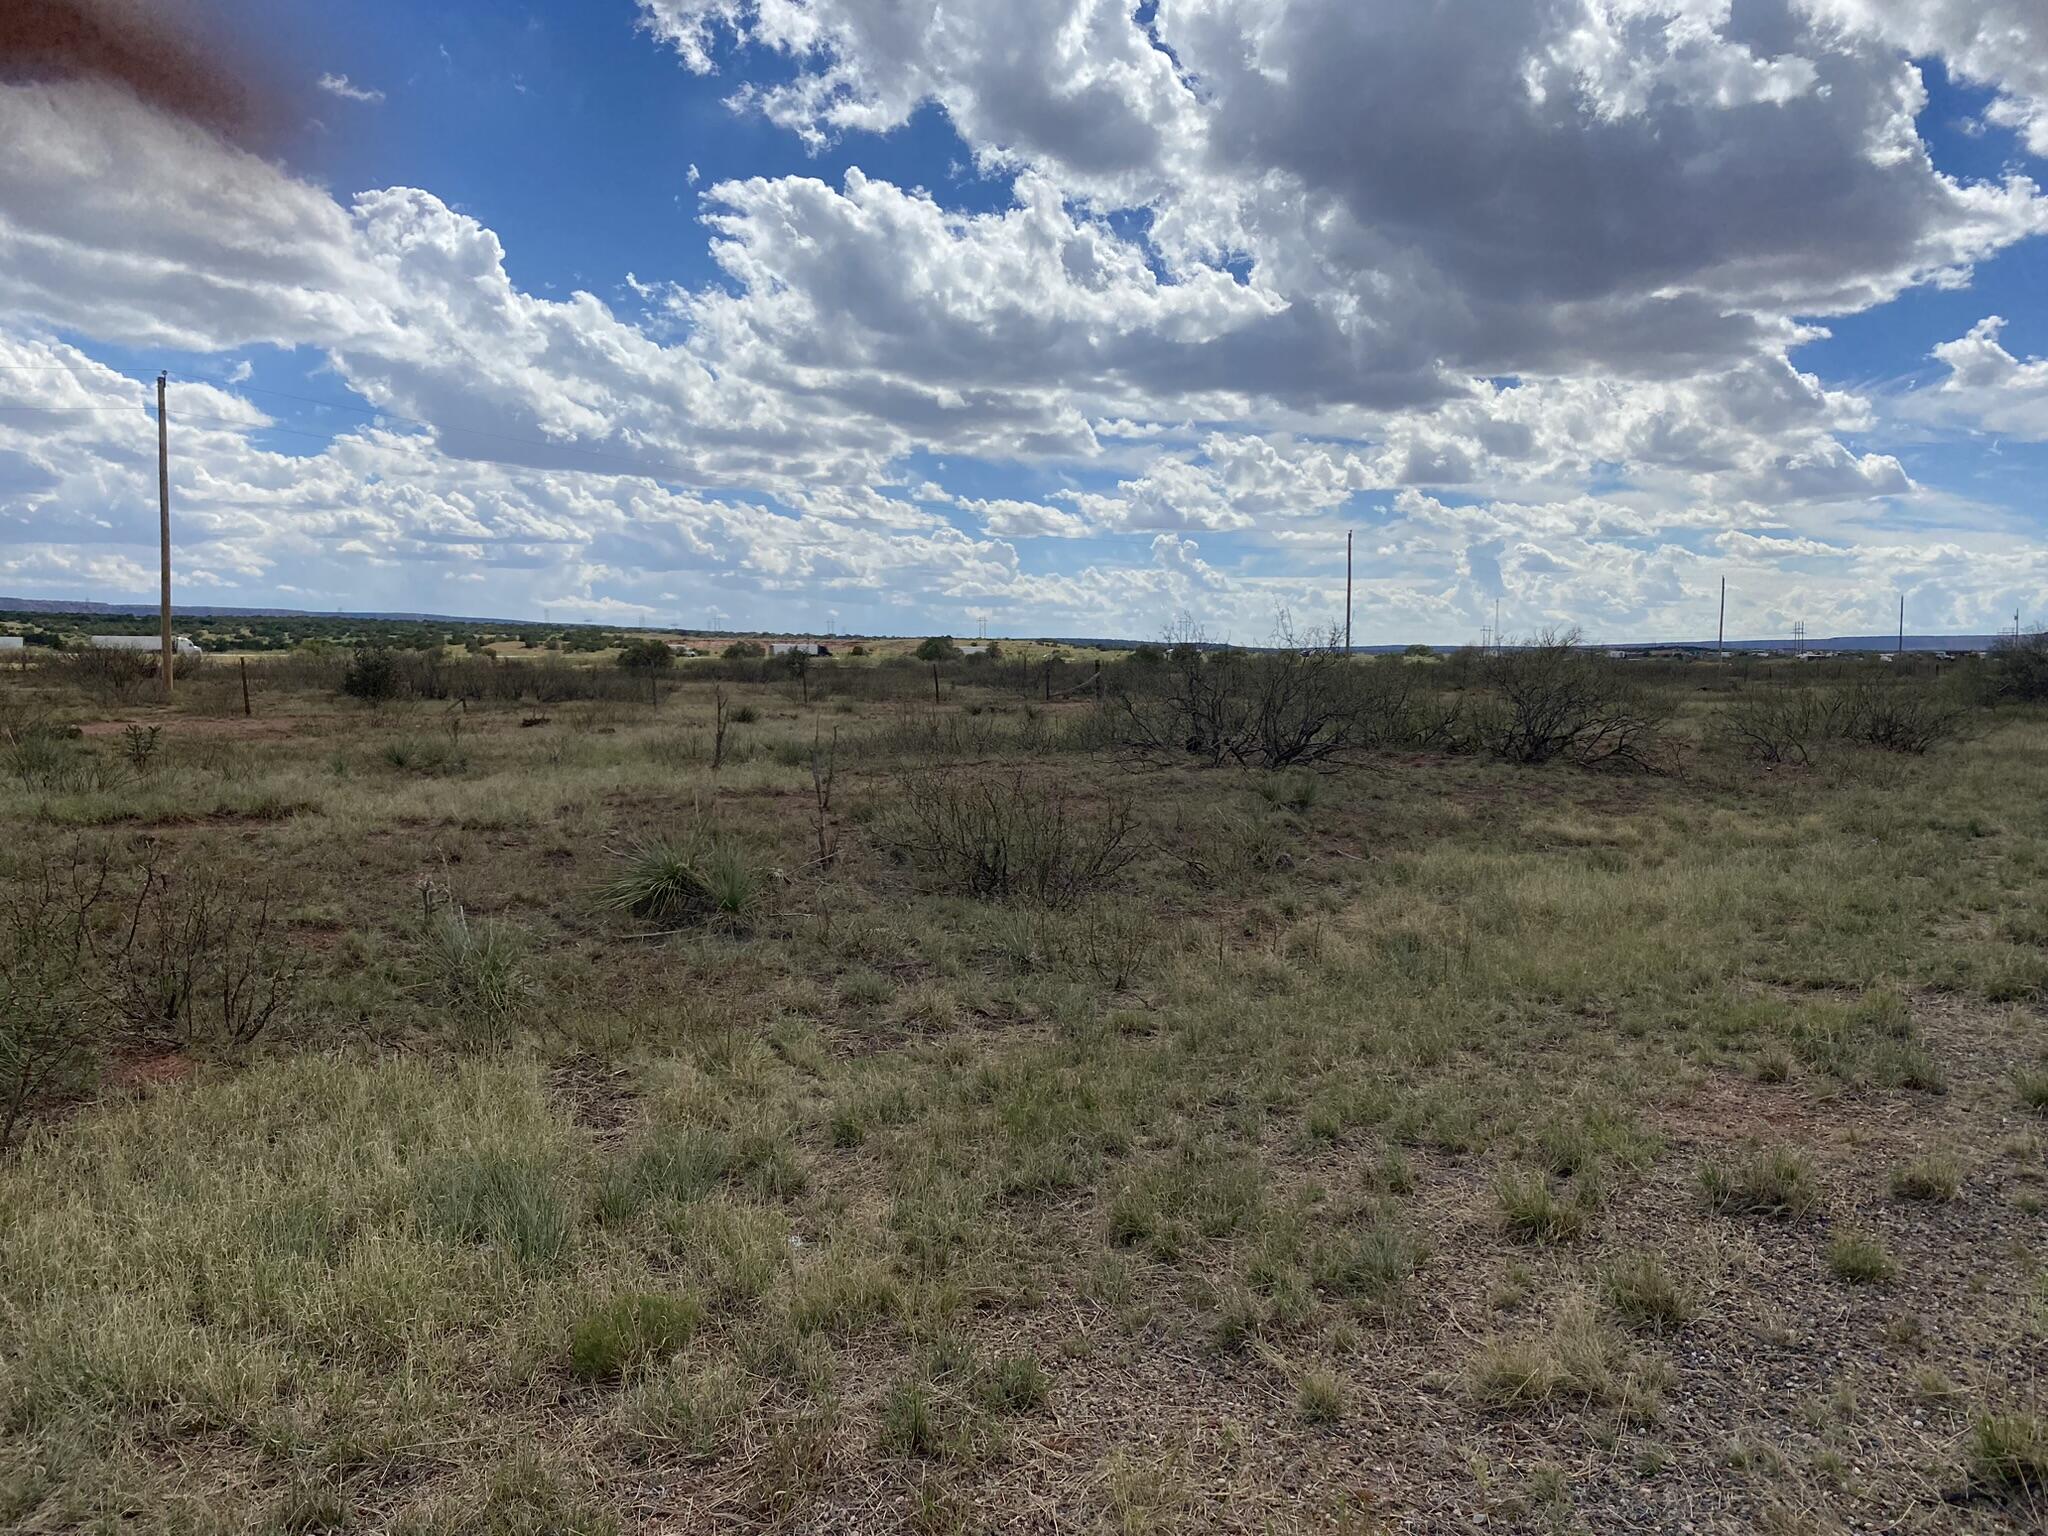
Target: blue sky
point(910, 316)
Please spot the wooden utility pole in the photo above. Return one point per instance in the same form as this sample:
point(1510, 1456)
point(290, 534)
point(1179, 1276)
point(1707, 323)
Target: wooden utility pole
point(1721, 633)
point(1347, 593)
point(1901, 652)
point(163, 497)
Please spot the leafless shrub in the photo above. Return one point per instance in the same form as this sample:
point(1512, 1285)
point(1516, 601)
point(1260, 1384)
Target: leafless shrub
point(52, 1025)
point(1301, 704)
point(1551, 698)
point(824, 771)
point(1797, 725)
point(1014, 838)
point(198, 957)
point(1900, 717)
point(1785, 725)
point(111, 676)
point(2019, 669)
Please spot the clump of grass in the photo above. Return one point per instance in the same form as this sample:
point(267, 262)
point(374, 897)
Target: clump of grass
point(675, 1410)
point(1859, 1257)
point(1319, 1397)
point(865, 989)
point(1533, 1212)
point(1594, 1138)
point(512, 1202)
point(1870, 1043)
point(425, 755)
point(1013, 1384)
point(1201, 1194)
point(916, 1420)
point(477, 970)
point(2008, 1451)
point(1927, 1178)
point(1767, 1181)
point(1578, 1356)
point(680, 1163)
point(629, 1329)
point(675, 881)
point(1367, 1263)
point(841, 1294)
point(2031, 1084)
point(1645, 1294)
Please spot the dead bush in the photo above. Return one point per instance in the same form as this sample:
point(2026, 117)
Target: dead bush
point(115, 677)
point(1301, 704)
point(52, 1023)
point(197, 956)
point(1901, 717)
point(1013, 838)
point(1786, 725)
point(1551, 698)
point(2019, 669)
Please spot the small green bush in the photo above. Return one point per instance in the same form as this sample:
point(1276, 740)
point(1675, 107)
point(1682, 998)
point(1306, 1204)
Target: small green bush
point(1366, 1263)
point(646, 656)
point(372, 675)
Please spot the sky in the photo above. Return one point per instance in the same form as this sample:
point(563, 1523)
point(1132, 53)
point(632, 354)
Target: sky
point(1057, 317)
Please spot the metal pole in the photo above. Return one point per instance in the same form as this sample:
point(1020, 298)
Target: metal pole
point(1721, 634)
point(1347, 593)
point(1902, 626)
point(163, 496)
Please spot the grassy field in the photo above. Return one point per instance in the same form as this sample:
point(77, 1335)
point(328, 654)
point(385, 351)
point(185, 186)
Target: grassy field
point(1428, 1143)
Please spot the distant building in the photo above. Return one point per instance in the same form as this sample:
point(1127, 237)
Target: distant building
point(179, 643)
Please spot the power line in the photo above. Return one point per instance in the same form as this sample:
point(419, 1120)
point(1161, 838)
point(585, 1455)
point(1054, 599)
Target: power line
point(75, 410)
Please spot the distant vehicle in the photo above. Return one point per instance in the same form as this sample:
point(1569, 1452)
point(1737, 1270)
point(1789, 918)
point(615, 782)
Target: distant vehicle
point(179, 644)
point(797, 647)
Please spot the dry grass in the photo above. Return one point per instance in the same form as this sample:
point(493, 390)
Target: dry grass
point(1372, 1150)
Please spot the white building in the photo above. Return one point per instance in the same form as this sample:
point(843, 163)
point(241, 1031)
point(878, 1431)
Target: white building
point(179, 643)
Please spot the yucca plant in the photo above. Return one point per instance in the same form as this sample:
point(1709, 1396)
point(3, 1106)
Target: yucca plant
point(675, 880)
